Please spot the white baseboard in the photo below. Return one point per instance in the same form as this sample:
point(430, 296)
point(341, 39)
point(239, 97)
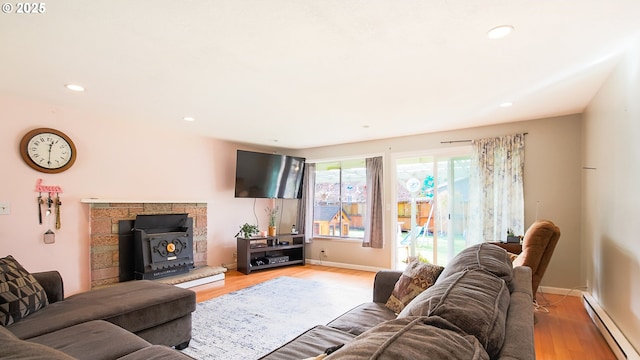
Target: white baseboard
point(614, 337)
point(201, 281)
point(343, 265)
point(559, 291)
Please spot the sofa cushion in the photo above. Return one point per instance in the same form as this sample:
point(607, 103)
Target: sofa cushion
point(476, 301)
point(413, 338)
point(362, 318)
point(310, 344)
point(25, 350)
point(20, 293)
point(489, 257)
point(87, 341)
point(6, 334)
point(133, 305)
point(156, 352)
point(416, 278)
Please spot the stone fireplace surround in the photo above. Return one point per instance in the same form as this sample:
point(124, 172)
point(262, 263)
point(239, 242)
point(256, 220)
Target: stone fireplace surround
point(104, 216)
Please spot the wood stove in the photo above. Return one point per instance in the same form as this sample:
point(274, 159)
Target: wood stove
point(156, 246)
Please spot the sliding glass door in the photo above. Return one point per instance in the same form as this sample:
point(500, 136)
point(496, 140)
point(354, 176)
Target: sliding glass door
point(431, 202)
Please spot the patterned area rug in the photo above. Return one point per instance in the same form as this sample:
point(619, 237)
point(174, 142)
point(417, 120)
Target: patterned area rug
point(251, 322)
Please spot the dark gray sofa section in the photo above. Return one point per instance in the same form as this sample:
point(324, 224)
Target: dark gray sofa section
point(518, 340)
point(93, 340)
point(370, 327)
point(93, 337)
point(313, 341)
point(159, 313)
point(131, 320)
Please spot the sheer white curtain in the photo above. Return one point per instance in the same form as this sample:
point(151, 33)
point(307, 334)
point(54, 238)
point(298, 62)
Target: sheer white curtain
point(496, 188)
point(373, 232)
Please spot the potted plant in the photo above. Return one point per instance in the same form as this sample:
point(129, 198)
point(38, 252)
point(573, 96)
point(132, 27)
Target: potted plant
point(272, 213)
point(247, 230)
point(511, 238)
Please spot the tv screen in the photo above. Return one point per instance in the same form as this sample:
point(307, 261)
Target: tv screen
point(261, 175)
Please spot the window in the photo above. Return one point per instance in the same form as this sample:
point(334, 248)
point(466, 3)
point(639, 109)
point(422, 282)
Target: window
point(340, 197)
point(432, 206)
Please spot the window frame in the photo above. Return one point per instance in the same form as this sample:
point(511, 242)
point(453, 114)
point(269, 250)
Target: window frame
point(347, 238)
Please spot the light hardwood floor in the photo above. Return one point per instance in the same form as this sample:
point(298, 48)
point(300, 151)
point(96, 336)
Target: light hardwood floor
point(567, 332)
point(563, 332)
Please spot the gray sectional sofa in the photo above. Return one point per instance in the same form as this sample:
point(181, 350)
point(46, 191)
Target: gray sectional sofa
point(131, 320)
point(480, 307)
point(477, 307)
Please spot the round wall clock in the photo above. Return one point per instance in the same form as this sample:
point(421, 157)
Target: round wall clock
point(47, 150)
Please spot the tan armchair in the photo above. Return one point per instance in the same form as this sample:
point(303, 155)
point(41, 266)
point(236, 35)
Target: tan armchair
point(538, 245)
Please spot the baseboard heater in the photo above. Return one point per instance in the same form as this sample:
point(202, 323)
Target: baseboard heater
point(614, 337)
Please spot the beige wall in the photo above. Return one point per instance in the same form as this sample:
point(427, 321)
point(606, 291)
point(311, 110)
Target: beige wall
point(552, 178)
point(116, 160)
point(611, 194)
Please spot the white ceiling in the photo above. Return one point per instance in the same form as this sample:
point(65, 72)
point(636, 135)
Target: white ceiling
point(306, 73)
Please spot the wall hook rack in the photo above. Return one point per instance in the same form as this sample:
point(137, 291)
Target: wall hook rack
point(51, 189)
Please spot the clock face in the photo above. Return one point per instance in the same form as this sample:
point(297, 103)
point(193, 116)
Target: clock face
point(48, 150)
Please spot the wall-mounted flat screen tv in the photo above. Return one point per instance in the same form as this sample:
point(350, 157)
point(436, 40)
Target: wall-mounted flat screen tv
point(261, 175)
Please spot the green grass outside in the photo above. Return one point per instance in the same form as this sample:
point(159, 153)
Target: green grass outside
point(425, 248)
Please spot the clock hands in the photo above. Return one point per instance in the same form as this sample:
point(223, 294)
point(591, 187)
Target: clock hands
point(50, 147)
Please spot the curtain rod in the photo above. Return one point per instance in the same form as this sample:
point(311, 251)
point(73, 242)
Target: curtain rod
point(462, 141)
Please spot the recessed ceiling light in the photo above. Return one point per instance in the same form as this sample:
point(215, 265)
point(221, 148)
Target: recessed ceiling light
point(189, 118)
point(500, 31)
point(506, 104)
point(74, 87)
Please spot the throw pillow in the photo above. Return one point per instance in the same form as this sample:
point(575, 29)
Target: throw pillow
point(20, 292)
point(416, 278)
